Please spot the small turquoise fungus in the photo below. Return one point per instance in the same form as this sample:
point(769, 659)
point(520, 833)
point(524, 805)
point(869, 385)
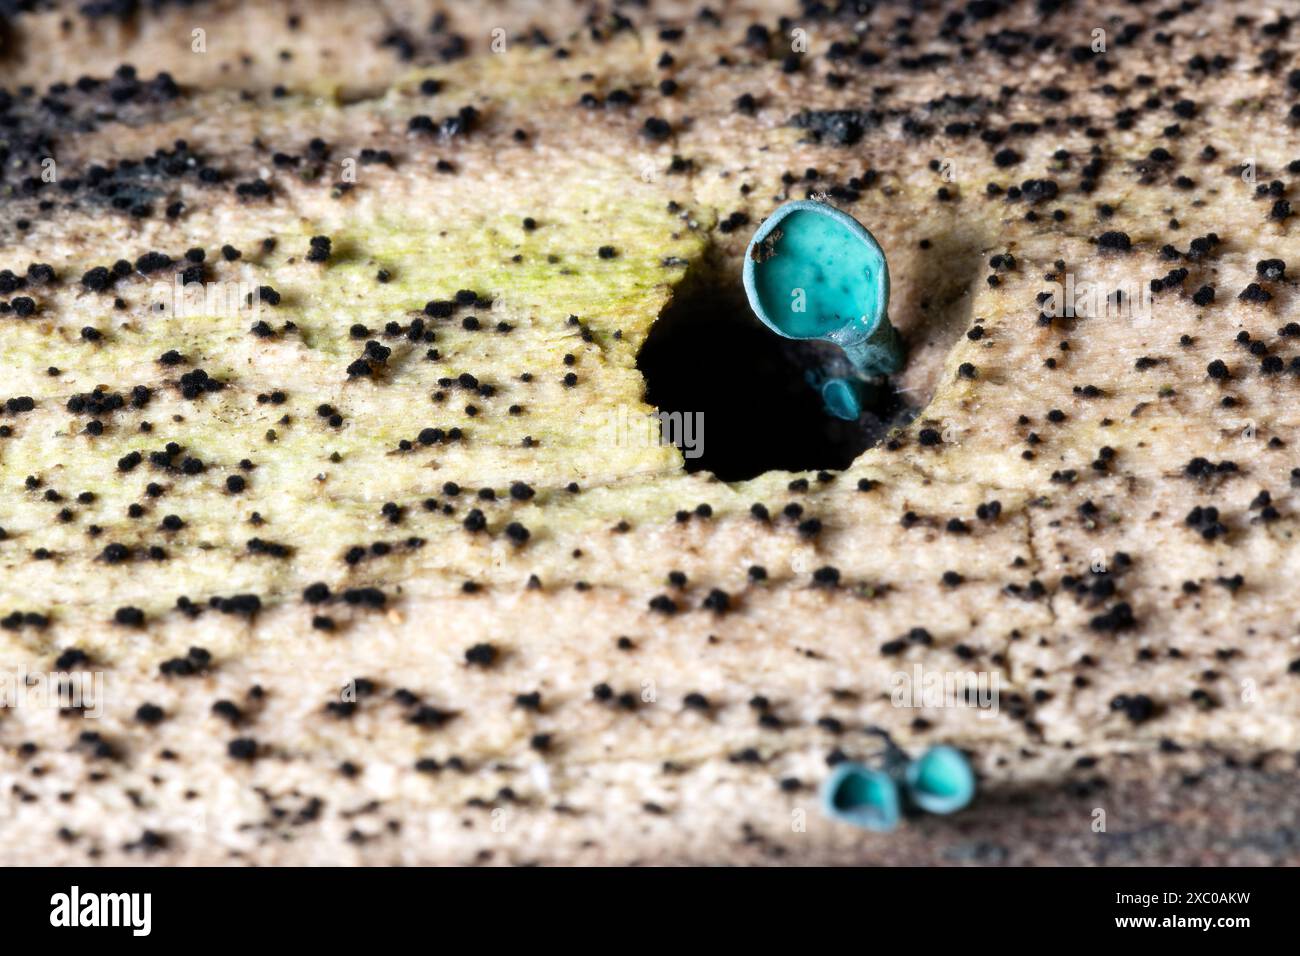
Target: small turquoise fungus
point(814, 273)
point(940, 781)
point(864, 797)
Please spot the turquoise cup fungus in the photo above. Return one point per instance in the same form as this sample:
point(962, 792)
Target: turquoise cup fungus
point(813, 272)
point(940, 780)
point(861, 796)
